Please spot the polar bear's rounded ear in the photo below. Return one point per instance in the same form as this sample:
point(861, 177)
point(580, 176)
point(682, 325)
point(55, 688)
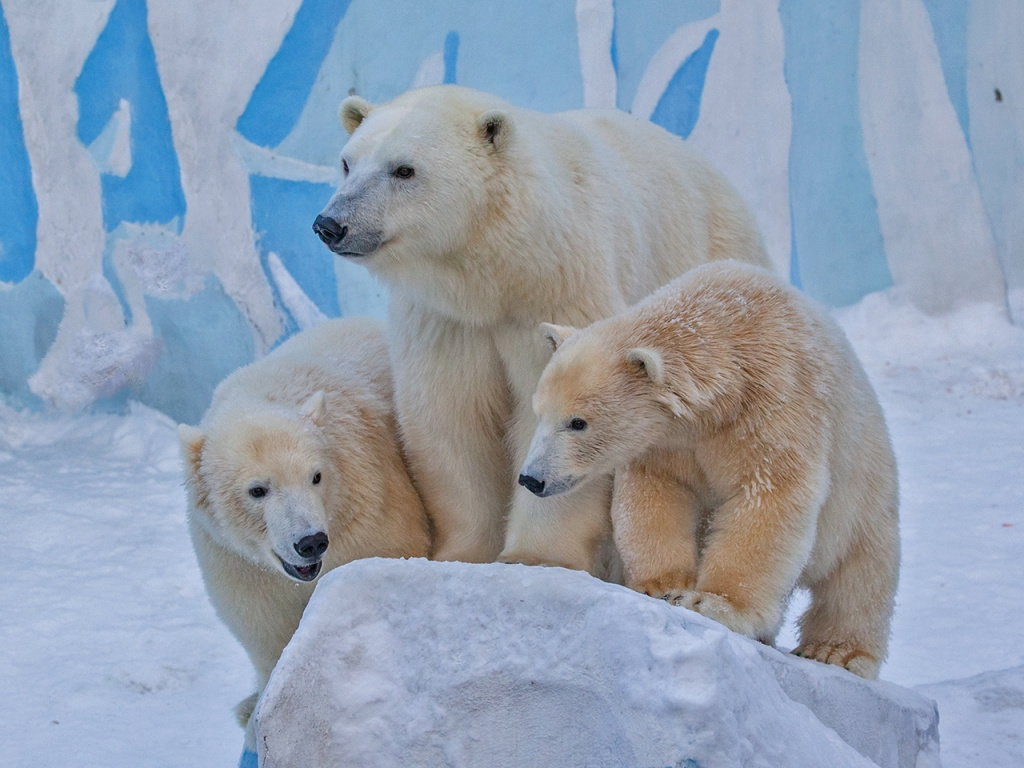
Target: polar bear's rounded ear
point(315, 408)
point(192, 441)
point(649, 361)
point(495, 128)
point(353, 111)
point(554, 335)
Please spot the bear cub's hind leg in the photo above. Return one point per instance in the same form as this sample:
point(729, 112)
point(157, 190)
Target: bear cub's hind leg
point(847, 623)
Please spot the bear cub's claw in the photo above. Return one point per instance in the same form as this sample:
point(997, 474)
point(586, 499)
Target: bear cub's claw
point(716, 607)
point(845, 655)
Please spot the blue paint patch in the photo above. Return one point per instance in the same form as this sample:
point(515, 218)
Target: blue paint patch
point(614, 52)
point(204, 339)
point(248, 760)
point(641, 28)
point(834, 218)
point(451, 56)
point(282, 92)
point(282, 215)
point(679, 106)
point(122, 65)
point(794, 258)
point(30, 313)
point(949, 23)
point(17, 197)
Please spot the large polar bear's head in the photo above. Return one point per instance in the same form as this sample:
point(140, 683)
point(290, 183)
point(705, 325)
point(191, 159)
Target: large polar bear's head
point(417, 177)
point(259, 481)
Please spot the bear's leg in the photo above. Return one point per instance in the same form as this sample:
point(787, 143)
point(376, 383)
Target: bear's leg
point(756, 548)
point(654, 522)
point(453, 405)
point(847, 623)
point(570, 530)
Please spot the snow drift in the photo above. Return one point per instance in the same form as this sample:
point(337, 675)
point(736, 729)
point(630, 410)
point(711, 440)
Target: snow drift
point(450, 664)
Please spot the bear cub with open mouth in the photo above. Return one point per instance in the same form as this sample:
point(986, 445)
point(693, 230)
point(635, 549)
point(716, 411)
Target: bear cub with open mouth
point(295, 470)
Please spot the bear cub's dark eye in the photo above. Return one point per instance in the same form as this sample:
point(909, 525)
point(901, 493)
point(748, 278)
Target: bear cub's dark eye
point(257, 491)
point(577, 425)
point(344, 166)
point(404, 172)
point(316, 479)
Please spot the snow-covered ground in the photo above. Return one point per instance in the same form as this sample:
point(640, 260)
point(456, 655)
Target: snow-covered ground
point(111, 656)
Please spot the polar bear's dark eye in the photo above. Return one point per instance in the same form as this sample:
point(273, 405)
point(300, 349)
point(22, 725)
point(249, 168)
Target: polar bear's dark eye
point(258, 491)
point(344, 166)
point(577, 425)
point(316, 479)
point(404, 172)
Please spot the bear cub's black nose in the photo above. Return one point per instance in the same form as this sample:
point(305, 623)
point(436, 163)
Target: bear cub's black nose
point(532, 484)
point(329, 230)
point(312, 546)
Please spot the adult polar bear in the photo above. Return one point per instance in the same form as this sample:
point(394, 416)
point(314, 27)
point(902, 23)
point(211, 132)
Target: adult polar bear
point(484, 220)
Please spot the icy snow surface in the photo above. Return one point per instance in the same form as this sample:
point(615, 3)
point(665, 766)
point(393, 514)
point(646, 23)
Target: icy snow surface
point(111, 656)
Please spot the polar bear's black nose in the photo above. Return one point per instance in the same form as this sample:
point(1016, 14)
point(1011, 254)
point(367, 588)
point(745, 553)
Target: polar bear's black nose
point(312, 546)
point(329, 230)
point(532, 484)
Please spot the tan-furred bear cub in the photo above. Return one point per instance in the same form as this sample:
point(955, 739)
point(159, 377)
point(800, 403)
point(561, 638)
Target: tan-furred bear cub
point(295, 470)
point(751, 453)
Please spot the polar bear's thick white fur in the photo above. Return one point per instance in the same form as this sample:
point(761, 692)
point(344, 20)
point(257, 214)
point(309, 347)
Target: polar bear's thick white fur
point(751, 456)
point(483, 219)
point(295, 470)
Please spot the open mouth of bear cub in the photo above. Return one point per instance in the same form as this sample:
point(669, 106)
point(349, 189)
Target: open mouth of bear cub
point(301, 572)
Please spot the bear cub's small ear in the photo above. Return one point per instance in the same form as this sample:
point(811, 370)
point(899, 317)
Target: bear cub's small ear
point(495, 128)
point(555, 335)
point(192, 441)
point(315, 408)
point(353, 111)
point(649, 361)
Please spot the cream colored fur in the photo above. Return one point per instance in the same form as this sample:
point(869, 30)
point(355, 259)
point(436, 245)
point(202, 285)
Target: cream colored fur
point(319, 403)
point(751, 453)
point(513, 217)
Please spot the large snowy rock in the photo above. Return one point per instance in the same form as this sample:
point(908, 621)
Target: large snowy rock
point(449, 664)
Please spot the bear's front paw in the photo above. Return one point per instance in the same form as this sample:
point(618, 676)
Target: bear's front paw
point(245, 708)
point(661, 587)
point(716, 607)
point(846, 655)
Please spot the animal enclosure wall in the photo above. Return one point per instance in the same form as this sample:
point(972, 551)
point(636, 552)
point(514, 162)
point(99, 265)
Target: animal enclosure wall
point(161, 162)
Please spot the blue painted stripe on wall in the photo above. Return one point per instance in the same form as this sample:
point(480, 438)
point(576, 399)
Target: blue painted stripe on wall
point(835, 221)
point(281, 93)
point(640, 30)
point(679, 106)
point(614, 52)
point(282, 215)
point(451, 56)
point(204, 338)
point(949, 23)
point(794, 256)
point(30, 314)
point(123, 66)
point(17, 197)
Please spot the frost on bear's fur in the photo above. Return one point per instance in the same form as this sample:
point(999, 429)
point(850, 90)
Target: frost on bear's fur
point(484, 220)
point(751, 456)
point(295, 470)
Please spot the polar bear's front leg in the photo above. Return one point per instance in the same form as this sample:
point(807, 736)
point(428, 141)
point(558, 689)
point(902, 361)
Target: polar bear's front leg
point(569, 530)
point(453, 404)
point(654, 520)
point(572, 530)
point(757, 546)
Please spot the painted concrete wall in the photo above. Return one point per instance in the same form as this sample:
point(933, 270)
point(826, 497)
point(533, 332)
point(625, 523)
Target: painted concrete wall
point(161, 161)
